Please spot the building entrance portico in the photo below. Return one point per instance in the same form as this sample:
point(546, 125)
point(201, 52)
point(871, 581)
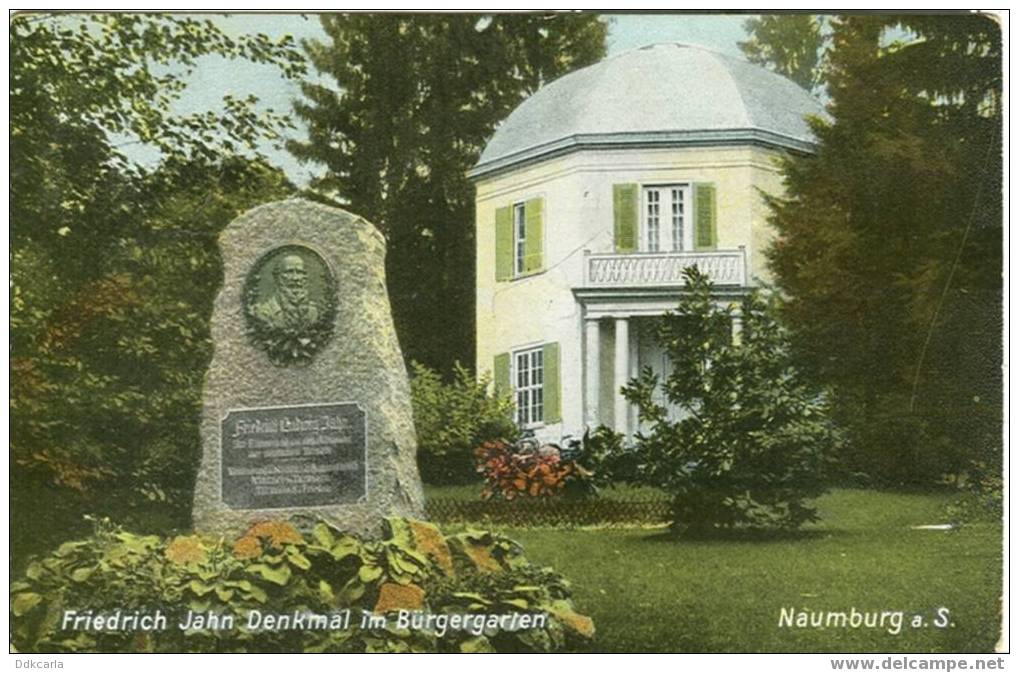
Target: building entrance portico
point(619, 343)
point(616, 350)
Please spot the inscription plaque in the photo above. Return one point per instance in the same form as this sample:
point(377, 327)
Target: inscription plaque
point(294, 456)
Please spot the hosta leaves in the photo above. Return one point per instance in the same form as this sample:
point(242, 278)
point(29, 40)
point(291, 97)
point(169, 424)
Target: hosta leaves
point(255, 593)
point(137, 544)
point(344, 548)
point(476, 645)
point(34, 570)
point(199, 588)
point(323, 535)
point(471, 597)
point(325, 591)
point(352, 591)
point(297, 558)
point(68, 548)
point(280, 575)
point(82, 574)
point(516, 603)
point(199, 605)
point(389, 574)
point(22, 603)
point(369, 573)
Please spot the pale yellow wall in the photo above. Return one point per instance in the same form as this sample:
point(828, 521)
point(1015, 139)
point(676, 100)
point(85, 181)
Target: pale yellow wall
point(577, 190)
point(768, 179)
point(539, 308)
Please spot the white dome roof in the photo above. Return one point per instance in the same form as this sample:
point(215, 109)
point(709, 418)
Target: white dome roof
point(665, 94)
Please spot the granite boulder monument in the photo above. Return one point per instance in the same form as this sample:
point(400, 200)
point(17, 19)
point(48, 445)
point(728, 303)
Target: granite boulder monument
point(306, 405)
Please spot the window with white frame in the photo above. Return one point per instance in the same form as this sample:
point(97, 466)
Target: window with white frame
point(529, 371)
point(667, 226)
point(652, 219)
point(519, 237)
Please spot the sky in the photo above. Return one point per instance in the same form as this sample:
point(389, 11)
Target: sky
point(217, 76)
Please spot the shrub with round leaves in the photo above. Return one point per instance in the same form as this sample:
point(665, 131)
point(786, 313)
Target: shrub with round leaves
point(452, 418)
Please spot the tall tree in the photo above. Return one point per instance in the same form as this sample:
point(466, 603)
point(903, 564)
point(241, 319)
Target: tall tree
point(889, 243)
point(414, 101)
point(82, 86)
point(790, 44)
point(114, 266)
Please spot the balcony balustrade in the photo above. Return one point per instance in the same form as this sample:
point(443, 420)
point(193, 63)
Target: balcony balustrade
point(664, 269)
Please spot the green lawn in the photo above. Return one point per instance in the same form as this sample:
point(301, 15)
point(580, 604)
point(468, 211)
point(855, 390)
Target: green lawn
point(649, 592)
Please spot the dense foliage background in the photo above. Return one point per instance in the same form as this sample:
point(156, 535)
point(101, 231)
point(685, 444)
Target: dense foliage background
point(890, 238)
point(453, 419)
point(114, 267)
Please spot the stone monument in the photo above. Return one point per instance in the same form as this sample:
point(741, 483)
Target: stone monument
point(306, 405)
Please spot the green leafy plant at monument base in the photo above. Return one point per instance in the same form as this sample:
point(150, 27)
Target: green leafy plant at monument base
point(451, 419)
point(275, 569)
point(754, 440)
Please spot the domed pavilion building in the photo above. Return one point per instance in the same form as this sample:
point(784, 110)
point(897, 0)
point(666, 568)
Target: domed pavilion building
point(595, 194)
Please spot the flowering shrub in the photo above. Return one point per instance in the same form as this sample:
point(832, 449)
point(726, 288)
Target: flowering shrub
point(274, 568)
point(511, 474)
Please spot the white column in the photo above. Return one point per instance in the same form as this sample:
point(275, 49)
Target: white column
point(622, 374)
point(592, 372)
point(737, 325)
point(634, 371)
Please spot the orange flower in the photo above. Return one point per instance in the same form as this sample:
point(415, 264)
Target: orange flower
point(430, 542)
point(481, 557)
point(186, 549)
point(579, 624)
point(278, 533)
point(247, 547)
point(399, 597)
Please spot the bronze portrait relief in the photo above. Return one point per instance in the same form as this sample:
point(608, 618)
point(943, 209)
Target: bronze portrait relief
point(290, 304)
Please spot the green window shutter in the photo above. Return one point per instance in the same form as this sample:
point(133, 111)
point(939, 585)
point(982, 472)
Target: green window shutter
point(533, 239)
point(706, 235)
point(625, 200)
point(550, 396)
point(501, 374)
point(504, 243)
